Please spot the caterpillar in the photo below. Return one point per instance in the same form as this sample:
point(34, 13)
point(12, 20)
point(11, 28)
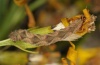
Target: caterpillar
point(64, 34)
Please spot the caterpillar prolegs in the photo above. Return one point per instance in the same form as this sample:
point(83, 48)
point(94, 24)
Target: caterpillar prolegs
point(65, 34)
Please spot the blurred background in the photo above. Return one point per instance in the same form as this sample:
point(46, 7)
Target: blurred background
point(46, 13)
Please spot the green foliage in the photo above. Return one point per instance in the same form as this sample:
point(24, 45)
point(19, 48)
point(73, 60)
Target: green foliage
point(11, 15)
point(13, 58)
point(42, 31)
point(19, 44)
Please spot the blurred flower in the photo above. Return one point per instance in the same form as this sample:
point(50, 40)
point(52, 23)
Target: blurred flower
point(86, 56)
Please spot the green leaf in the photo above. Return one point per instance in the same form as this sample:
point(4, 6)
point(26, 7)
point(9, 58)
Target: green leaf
point(41, 31)
point(16, 57)
point(19, 44)
point(14, 16)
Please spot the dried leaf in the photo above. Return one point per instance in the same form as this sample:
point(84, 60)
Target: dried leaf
point(87, 15)
point(75, 29)
point(65, 22)
point(20, 2)
point(47, 39)
point(72, 54)
point(89, 20)
point(31, 22)
point(64, 61)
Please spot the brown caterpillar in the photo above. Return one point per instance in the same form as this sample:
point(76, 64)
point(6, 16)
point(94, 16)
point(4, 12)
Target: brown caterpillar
point(66, 34)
